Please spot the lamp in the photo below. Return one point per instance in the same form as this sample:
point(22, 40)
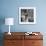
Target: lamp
point(9, 21)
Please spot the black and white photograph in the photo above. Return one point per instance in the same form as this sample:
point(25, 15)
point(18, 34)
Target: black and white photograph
point(27, 15)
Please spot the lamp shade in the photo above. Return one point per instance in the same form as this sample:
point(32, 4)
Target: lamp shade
point(9, 21)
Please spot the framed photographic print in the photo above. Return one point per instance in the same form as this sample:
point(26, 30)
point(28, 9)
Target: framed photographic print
point(27, 15)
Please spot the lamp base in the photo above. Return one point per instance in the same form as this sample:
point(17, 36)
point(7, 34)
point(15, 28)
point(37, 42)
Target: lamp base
point(9, 33)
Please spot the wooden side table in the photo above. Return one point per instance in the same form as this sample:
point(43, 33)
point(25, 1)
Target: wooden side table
point(20, 39)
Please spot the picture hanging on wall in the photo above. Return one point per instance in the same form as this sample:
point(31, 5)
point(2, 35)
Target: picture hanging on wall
point(27, 15)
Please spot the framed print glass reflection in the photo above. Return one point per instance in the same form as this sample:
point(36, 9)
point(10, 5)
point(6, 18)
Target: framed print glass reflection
point(27, 15)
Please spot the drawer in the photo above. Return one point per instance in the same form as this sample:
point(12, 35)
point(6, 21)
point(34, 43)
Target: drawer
point(13, 43)
point(9, 43)
point(37, 43)
point(33, 37)
point(16, 37)
point(33, 43)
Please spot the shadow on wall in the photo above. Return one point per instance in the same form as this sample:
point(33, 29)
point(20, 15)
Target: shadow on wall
point(2, 21)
